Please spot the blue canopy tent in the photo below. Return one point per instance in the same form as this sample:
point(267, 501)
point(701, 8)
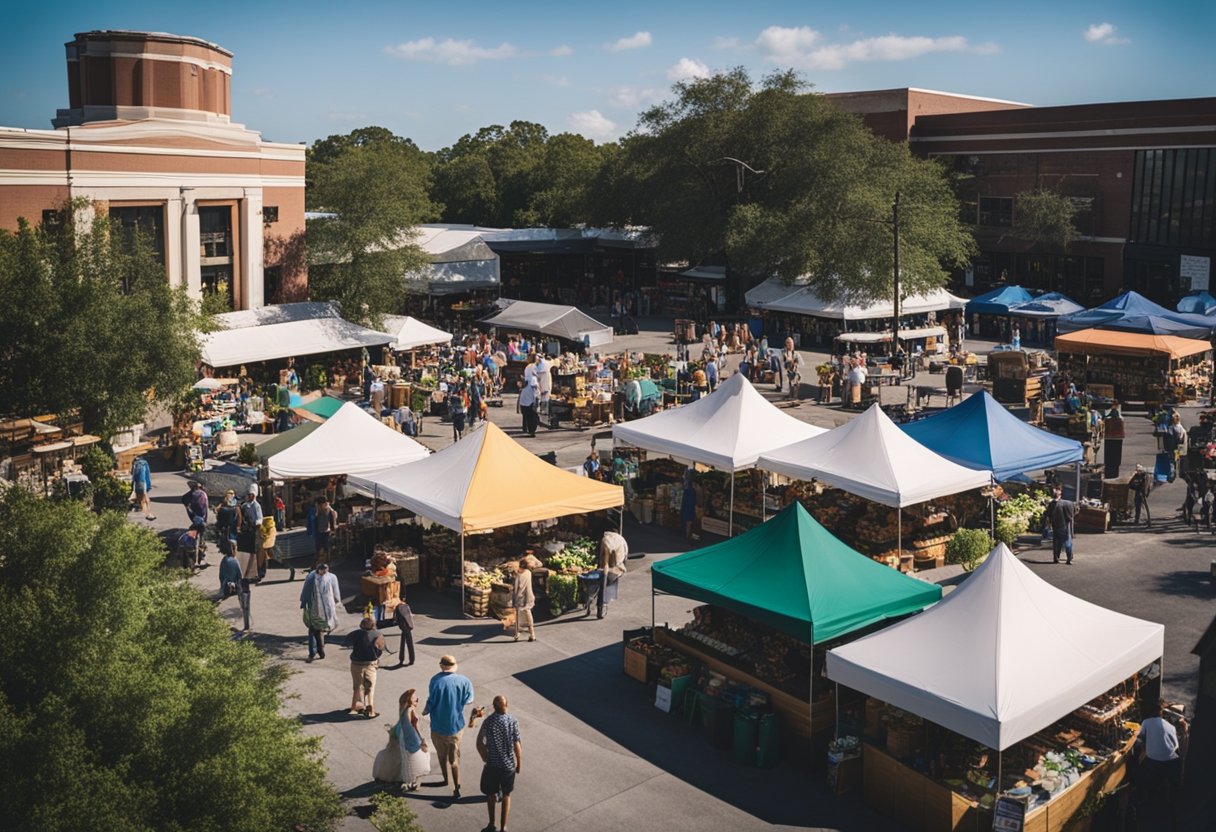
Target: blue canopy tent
point(998, 301)
point(1200, 303)
point(1050, 305)
point(1135, 306)
point(1157, 325)
point(980, 433)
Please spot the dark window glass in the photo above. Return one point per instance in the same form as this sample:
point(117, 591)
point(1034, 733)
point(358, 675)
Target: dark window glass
point(271, 278)
point(215, 230)
point(1174, 196)
point(52, 217)
point(270, 213)
point(149, 219)
point(996, 211)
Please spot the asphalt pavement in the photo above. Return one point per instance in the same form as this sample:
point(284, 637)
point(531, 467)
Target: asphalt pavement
point(598, 754)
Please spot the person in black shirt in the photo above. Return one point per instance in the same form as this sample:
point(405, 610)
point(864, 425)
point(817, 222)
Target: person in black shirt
point(366, 645)
point(1061, 513)
point(404, 618)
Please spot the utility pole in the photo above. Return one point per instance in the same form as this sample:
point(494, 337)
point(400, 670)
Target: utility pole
point(895, 321)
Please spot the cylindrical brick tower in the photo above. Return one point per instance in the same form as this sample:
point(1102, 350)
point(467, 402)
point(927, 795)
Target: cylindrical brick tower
point(116, 75)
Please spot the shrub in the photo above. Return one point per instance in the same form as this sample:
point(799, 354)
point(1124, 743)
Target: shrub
point(110, 493)
point(563, 593)
point(1007, 530)
point(393, 814)
point(968, 548)
point(248, 454)
point(96, 462)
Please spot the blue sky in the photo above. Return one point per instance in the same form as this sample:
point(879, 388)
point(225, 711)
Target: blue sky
point(435, 71)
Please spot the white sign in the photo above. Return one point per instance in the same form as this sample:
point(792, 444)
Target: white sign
point(1195, 271)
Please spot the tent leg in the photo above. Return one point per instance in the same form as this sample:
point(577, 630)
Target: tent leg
point(463, 609)
point(652, 597)
point(621, 524)
point(1077, 493)
point(996, 792)
point(836, 696)
point(992, 507)
point(730, 524)
point(764, 498)
point(375, 509)
point(899, 531)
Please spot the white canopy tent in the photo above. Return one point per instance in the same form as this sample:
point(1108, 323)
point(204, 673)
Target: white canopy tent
point(904, 335)
point(775, 295)
point(1006, 691)
point(412, 333)
point(728, 429)
point(293, 329)
point(872, 458)
point(351, 441)
point(565, 322)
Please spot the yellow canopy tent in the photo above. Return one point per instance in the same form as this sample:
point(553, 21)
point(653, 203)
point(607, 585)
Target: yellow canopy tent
point(485, 481)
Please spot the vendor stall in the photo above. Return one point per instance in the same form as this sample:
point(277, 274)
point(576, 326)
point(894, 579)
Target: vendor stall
point(352, 441)
point(284, 331)
point(410, 333)
point(726, 430)
point(1037, 318)
point(484, 482)
point(566, 323)
point(872, 458)
point(777, 591)
point(990, 312)
point(1052, 714)
point(1140, 367)
point(1135, 313)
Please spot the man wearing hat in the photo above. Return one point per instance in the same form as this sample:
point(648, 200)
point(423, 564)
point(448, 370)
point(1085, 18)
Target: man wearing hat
point(448, 695)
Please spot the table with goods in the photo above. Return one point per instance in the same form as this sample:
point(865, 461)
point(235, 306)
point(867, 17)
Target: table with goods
point(934, 779)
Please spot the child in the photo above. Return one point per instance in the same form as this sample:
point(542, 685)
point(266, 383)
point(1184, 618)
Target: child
point(1205, 511)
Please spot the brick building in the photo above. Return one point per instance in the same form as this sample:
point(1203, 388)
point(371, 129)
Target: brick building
point(148, 139)
point(1142, 176)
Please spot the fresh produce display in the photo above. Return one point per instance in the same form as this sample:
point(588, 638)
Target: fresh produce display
point(761, 651)
point(577, 556)
point(563, 593)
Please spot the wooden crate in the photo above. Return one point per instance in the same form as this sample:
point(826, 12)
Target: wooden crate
point(380, 589)
point(477, 601)
point(635, 665)
point(408, 569)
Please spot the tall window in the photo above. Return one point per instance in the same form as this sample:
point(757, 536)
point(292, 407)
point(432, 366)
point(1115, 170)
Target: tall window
point(996, 211)
point(215, 231)
point(1174, 196)
point(149, 219)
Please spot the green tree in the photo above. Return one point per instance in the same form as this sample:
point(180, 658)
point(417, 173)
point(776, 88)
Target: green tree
point(814, 200)
point(361, 253)
point(467, 189)
point(1044, 217)
point(123, 702)
point(90, 325)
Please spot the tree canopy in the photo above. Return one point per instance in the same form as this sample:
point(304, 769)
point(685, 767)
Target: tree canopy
point(90, 323)
point(773, 179)
point(1044, 217)
point(124, 704)
point(373, 188)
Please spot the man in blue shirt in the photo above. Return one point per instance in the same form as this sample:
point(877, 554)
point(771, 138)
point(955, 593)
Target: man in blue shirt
point(447, 697)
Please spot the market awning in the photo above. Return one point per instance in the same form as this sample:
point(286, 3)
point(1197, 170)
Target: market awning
point(794, 575)
point(411, 333)
point(1136, 313)
point(727, 430)
point(1050, 305)
point(710, 274)
point(1004, 655)
point(251, 338)
point(1108, 342)
point(565, 322)
point(485, 481)
point(807, 301)
point(998, 301)
point(980, 433)
point(872, 458)
point(773, 289)
point(352, 441)
point(319, 409)
point(886, 336)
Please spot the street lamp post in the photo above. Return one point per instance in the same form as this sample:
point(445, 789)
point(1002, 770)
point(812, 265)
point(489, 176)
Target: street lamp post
point(895, 229)
point(742, 168)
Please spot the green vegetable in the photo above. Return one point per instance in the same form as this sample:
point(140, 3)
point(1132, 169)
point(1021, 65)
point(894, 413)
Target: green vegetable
point(563, 593)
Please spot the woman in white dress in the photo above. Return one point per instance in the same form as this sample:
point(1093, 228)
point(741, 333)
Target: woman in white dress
point(415, 756)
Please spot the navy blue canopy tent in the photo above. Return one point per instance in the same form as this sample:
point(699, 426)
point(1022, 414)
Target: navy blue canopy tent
point(1157, 325)
point(980, 433)
point(998, 301)
point(1050, 305)
point(1200, 303)
point(1137, 308)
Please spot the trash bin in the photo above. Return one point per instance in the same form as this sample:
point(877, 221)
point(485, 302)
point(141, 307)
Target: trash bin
point(747, 732)
point(768, 743)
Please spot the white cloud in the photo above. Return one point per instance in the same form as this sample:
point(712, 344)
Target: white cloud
point(450, 52)
point(593, 124)
point(635, 41)
point(727, 43)
point(556, 80)
point(802, 48)
point(686, 69)
point(1104, 33)
point(562, 51)
point(629, 97)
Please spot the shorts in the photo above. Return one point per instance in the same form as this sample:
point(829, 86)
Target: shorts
point(322, 541)
point(495, 780)
point(363, 675)
point(447, 748)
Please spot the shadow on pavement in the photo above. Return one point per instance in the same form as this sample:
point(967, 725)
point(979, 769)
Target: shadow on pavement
point(592, 688)
point(1192, 583)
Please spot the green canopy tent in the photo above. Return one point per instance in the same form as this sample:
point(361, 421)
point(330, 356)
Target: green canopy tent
point(320, 409)
point(794, 575)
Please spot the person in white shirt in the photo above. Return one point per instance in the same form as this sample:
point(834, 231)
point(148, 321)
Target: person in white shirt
point(1157, 744)
point(857, 379)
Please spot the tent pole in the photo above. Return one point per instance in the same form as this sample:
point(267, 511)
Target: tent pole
point(899, 531)
point(992, 506)
point(652, 597)
point(764, 498)
point(836, 696)
point(621, 524)
point(463, 610)
point(997, 791)
point(375, 508)
point(1077, 496)
point(730, 525)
